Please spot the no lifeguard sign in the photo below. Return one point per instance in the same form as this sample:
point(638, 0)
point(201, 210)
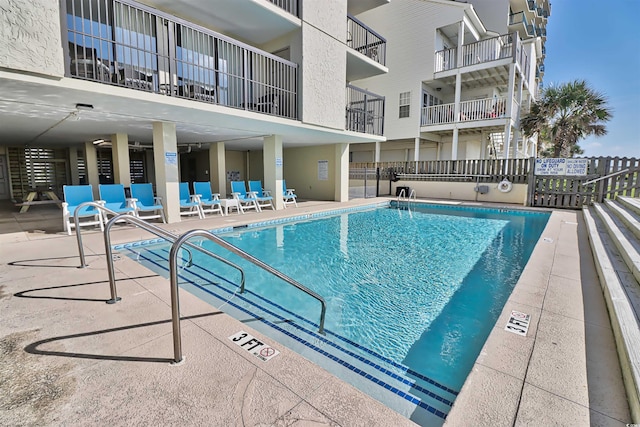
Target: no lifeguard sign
point(568, 167)
point(254, 346)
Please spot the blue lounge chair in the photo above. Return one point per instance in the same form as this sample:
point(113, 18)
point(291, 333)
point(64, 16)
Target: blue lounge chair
point(115, 200)
point(189, 202)
point(74, 195)
point(288, 196)
point(210, 202)
point(245, 200)
point(264, 198)
point(144, 201)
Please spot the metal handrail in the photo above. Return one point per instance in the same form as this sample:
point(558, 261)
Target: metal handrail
point(173, 272)
point(145, 226)
point(605, 177)
point(400, 194)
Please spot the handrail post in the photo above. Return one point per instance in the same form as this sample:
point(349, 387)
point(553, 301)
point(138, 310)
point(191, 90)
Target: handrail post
point(109, 256)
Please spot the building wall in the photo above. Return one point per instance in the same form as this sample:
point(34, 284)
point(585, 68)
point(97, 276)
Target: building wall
point(410, 55)
point(464, 191)
point(493, 13)
point(301, 171)
point(30, 39)
point(324, 62)
point(235, 161)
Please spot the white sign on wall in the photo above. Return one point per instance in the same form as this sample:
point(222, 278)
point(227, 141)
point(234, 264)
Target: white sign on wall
point(571, 167)
point(323, 170)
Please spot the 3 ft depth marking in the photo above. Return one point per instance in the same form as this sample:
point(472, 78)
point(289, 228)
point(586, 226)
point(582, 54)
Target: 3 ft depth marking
point(254, 346)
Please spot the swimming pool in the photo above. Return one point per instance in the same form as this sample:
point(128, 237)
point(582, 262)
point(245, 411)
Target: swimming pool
point(411, 294)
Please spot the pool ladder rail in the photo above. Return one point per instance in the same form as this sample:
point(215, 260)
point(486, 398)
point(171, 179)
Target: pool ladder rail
point(177, 243)
point(402, 196)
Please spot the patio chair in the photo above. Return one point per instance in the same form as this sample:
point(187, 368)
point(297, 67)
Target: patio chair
point(74, 195)
point(115, 200)
point(210, 202)
point(264, 198)
point(288, 196)
point(189, 202)
point(145, 202)
point(245, 200)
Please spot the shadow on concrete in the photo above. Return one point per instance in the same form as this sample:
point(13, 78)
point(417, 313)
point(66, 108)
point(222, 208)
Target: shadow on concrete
point(28, 262)
point(24, 294)
point(33, 347)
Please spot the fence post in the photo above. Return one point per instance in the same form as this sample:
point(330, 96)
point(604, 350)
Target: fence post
point(531, 182)
point(377, 182)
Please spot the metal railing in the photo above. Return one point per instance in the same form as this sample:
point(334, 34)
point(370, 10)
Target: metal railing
point(366, 41)
point(145, 226)
point(290, 6)
point(364, 111)
point(477, 109)
point(124, 43)
point(173, 271)
point(492, 49)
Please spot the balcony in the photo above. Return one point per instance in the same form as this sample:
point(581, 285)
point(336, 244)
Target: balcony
point(518, 22)
point(474, 110)
point(364, 111)
point(366, 56)
point(122, 43)
point(485, 51)
point(290, 6)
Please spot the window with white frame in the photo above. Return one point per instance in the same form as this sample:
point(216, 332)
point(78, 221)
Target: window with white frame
point(405, 104)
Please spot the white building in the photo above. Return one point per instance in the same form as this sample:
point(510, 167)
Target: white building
point(461, 74)
point(185, 90)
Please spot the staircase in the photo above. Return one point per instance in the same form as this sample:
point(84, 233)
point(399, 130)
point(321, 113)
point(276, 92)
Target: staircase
point(614, 234)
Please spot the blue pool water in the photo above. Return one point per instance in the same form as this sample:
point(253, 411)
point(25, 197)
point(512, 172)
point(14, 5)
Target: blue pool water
point(411, 294)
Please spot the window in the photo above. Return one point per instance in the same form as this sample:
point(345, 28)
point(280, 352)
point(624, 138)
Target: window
point(405, 104)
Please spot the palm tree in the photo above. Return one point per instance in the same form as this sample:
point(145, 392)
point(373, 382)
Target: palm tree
point(565, 114)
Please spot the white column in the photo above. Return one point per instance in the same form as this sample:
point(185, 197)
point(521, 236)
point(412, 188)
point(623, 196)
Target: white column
point(509, 112)
point(217, 168)
point(454, 144)
point(377, 154)
point(342, 173)
point(165, 156)
point(416, 149)
point(120, 157)
point(273, 166)
point(483, 145)
point(91, 167)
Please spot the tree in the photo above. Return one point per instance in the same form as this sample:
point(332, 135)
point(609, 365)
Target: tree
point(565, 114)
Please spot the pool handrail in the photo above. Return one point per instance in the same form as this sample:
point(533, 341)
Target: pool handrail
point(173, 273)
point(145, 226)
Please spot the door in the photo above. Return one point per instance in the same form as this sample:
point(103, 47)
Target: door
point(4, 179)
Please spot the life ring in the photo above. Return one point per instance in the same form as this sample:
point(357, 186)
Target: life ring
point(505, 186)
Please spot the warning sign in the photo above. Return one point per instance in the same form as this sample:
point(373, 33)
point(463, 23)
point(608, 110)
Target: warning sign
point(254, 346)
point(518, 323)
point(569, 167)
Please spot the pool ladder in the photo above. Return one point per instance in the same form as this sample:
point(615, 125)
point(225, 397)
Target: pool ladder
point(402, 196)
point(177, 243)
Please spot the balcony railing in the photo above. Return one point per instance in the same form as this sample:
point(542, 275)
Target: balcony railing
point(488, 50)
point(290, 6)
point(366, 41)
point(477, 109)
point(364, 112)
point(123, 43)
point(521, 18)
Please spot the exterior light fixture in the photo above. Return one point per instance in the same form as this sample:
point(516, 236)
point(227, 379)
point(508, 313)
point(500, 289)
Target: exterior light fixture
point(98, 141)
point(84, 107)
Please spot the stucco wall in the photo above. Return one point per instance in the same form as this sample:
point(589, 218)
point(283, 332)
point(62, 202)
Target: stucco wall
point(235, 161)
point(324, 63)
point(30, 37)
point(301, 171)
point(464, 191)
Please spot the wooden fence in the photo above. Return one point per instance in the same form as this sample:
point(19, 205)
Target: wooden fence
point(569, 192)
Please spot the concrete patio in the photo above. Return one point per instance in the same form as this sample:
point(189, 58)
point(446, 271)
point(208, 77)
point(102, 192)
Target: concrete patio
point(71, 359)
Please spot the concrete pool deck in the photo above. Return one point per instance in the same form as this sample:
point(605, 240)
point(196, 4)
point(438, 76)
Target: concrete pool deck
point(70, 359)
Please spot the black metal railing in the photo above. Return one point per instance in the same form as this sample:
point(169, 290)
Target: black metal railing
point(124, 43)
point(365, 111)
point(366, 41)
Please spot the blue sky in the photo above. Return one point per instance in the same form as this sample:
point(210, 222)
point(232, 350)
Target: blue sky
point(598, 41)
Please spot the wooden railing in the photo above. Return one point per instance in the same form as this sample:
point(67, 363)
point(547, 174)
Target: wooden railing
point(476, 109)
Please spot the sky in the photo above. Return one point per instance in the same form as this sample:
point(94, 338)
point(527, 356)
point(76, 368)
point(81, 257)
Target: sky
point(599, 41)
